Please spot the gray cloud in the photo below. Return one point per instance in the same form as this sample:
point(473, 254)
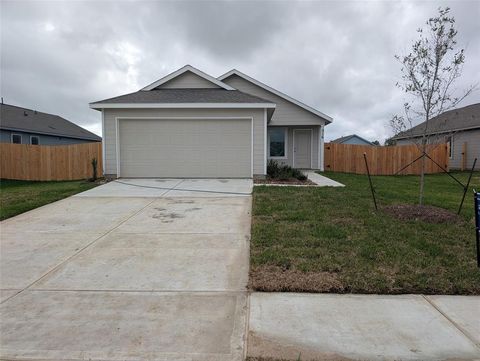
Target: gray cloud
point(336, 56)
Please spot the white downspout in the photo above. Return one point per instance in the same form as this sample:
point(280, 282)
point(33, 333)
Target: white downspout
point(103, 142)
point(265, 141)
point(321, 148)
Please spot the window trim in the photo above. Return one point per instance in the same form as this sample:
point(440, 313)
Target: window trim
point(285, 133)
point(35, 136)
point(11, 138)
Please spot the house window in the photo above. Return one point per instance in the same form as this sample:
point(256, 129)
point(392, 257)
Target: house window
point(450, 146)
point(34, 140)
point(277, 142)
point(16, 138)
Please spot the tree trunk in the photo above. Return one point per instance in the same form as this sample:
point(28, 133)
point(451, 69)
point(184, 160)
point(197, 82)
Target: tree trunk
point(422, 171)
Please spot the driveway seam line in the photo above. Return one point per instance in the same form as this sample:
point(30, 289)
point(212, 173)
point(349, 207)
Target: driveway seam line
point(78, 252)
point(173, 188)
point(458, 327)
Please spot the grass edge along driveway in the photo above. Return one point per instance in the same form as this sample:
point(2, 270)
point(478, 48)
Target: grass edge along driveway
point(18, 196)
point(331, 239)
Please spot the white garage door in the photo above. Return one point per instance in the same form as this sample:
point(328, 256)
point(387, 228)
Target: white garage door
point(185, 147)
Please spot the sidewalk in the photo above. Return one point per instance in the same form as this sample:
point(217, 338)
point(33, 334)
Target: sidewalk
point(364, 327)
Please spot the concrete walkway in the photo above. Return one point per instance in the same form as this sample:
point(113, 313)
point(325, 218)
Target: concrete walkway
point(364, 327)
point(321, 180)
point(155, 270)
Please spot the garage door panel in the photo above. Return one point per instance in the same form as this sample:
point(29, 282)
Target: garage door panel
point(185, 148)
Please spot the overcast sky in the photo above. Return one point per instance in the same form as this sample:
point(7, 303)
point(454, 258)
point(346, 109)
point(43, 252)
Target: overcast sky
point(336, 56)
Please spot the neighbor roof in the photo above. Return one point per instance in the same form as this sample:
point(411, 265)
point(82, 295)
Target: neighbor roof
point(454, 120)
point(347, 137)
point(27, 120)
point(171, 97)
point(183, 70)
point(276, 92)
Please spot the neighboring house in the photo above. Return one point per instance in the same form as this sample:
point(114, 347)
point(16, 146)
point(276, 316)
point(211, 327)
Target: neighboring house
point(25, 126)
point(190, 124)
point(459, 127)
point(352, 139)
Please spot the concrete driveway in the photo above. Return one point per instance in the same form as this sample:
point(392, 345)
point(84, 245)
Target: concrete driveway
point(142, 269)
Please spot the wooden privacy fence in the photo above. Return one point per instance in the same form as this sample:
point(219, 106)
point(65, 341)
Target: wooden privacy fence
point(45, 162)
point(387, 160)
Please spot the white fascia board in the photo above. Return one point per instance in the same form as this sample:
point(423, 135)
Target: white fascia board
point(276, 92)
point(193, 70)
point(181, 105)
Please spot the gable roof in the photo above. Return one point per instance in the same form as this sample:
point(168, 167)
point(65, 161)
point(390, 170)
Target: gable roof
point(453, 120)
point(348, 137)
point(183, 70)
point(276, 92)
point(27, 120)
point(199, 97)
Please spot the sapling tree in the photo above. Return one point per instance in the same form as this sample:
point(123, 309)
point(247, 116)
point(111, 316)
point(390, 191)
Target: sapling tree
point(429, 72)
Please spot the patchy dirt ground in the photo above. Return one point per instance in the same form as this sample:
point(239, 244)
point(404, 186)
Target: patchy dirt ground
point(278, 279)
point(429, 214)
point(291, 181)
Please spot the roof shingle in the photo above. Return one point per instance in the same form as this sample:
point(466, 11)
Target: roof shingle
point(450, 121)
point(198, 95)
point(22, 119)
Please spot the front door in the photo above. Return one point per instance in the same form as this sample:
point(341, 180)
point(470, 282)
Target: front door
point(302, 148)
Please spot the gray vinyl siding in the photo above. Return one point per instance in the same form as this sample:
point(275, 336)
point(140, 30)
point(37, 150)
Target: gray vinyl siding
point(188, 80)
point(5, 137)
point(286, 113)
point(110, 129)
point(470, 137)
point(315, 144)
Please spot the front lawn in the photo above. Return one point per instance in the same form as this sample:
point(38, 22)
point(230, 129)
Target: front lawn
point(20, 196)
point(332, 240)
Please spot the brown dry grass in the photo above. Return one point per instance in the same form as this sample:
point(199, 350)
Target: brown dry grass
point(278, 279)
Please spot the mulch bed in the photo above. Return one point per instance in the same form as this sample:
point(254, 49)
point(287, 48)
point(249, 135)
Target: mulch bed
point(291, 181)
point(277, 279)
point(429, 214)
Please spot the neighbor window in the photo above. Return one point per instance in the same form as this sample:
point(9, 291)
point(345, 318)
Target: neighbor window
point(277, 140)
point(16, 138)
point(34, 140)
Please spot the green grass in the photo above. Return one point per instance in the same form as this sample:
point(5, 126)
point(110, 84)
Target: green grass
point(337, 230)
point(20, 196)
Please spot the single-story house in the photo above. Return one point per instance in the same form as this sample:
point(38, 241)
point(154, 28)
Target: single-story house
point(190, 124)
point(25, 126)
point(352, 139)
point(458, 127)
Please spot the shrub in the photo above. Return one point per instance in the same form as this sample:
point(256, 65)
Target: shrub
point(273, 169)
point(283, 172)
